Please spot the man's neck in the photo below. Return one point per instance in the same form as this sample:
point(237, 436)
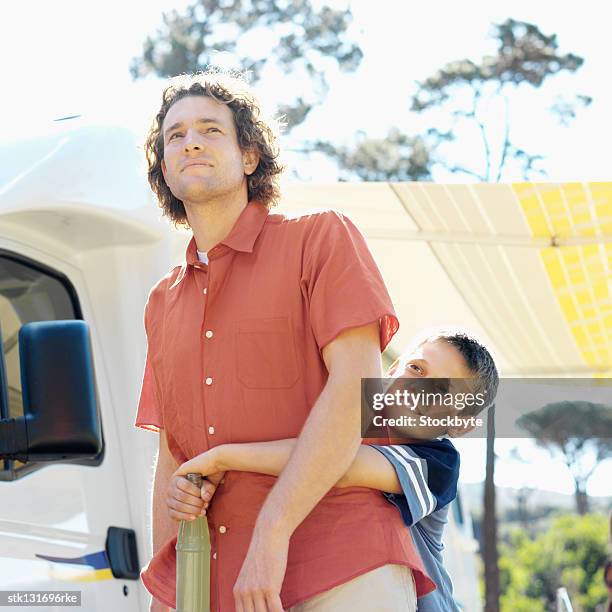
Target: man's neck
point(213, 221)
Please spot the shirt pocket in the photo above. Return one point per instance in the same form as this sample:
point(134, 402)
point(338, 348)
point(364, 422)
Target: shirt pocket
point(266, 354)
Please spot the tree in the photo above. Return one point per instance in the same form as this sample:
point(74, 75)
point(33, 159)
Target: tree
point(458, 92)
point(299, 39)
point(572, 553)
point(395, 158)
point(522, 497)
point(580, 432)
point(489, 522)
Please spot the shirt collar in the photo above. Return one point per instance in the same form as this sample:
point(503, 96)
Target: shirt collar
point(247, 228)
point(242, 236)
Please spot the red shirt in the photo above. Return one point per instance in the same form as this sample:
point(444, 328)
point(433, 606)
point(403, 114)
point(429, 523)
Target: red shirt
point(234, 355)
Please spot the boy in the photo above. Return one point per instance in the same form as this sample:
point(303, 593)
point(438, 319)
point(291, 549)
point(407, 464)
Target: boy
point(419, 478)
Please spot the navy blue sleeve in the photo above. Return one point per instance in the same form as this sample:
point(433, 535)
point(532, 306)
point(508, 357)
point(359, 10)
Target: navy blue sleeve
point(428, 472)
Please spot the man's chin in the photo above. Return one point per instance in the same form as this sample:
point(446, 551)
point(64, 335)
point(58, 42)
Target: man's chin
point(197, 193)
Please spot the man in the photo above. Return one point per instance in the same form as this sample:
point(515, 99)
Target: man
point(264, 333)
point(420, 478)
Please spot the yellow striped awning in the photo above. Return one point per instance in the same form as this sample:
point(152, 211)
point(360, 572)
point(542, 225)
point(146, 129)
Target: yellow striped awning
point(526, 266)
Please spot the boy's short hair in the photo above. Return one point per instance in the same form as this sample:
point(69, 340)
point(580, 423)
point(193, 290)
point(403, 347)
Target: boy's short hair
point(478, 360)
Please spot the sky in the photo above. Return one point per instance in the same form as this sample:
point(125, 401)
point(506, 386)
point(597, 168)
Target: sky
point(72, 57)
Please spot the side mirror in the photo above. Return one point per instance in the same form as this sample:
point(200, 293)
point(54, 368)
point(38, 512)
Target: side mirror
point(61, 419)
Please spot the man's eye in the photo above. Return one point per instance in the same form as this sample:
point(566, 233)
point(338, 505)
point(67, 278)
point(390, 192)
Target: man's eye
point(213, 129)
point(415, 368)
point(173, 135)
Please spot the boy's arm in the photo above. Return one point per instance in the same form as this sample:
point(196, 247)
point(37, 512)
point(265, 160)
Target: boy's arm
point(369, 468)
point(425, 474)
point(428, 473)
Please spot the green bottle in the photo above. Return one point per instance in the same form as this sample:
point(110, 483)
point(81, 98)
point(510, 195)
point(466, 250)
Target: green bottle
point(193, 562)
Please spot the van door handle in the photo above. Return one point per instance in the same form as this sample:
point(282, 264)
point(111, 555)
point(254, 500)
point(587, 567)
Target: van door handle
point(122, 553)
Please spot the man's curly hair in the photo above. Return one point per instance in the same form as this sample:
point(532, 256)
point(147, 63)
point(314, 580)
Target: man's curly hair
point(253, 133)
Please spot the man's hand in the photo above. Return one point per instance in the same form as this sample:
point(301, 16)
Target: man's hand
point(185, 501)
point(157, 606)
point(261, 577)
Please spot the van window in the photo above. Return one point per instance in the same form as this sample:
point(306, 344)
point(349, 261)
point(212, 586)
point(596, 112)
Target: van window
point(28, 292)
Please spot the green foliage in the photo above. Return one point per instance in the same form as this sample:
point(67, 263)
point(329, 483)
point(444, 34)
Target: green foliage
point(572, 554)
point(571, 425)
point(304, 40)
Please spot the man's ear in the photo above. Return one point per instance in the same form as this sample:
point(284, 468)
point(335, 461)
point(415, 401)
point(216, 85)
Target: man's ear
point(250, 158)
point(163, 168)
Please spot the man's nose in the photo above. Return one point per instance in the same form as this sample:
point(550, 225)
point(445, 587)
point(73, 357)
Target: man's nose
point(193, 141)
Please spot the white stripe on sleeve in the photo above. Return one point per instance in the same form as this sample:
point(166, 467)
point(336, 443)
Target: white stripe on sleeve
point(417, 470)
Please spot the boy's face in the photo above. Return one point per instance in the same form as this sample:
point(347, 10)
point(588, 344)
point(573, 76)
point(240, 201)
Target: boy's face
point(436, 359)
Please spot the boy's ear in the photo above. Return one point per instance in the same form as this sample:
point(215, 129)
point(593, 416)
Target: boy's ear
point(461, 430)
point(393, 367)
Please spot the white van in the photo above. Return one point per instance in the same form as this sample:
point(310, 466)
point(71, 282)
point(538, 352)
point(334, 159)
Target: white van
point(81, 240)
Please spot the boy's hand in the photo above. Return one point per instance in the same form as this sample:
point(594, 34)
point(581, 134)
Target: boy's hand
point(206, 463)
point(217, 478)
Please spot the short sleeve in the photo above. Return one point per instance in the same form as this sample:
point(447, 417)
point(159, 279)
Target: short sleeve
point(428, 473)
point(344, 286)
point(149, 415)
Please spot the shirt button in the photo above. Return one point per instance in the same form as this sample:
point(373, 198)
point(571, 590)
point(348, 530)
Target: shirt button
point(222, 529)
point(208, 381)
point(204, 291)
point(209, 333)
point(214, 555)
point(211, 430)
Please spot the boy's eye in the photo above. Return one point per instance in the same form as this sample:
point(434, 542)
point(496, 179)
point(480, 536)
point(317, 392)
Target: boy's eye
point(173, 135)
point(415, 368)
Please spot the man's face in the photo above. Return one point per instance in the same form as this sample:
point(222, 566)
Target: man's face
point(202, 159)
point(436, 359)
